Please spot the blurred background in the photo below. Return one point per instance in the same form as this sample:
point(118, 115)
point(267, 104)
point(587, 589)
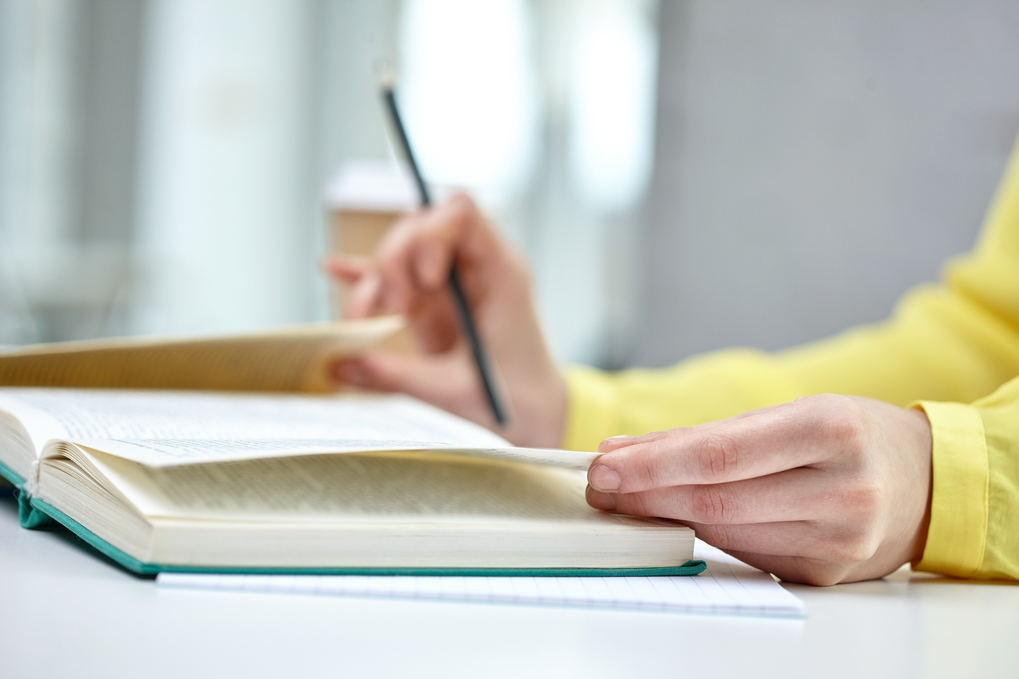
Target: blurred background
point(684, 175)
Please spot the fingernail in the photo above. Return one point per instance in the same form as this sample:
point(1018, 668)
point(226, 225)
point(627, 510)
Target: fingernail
point(352, 372)
point(603, 478)
point(602, 501)
point(614, 442)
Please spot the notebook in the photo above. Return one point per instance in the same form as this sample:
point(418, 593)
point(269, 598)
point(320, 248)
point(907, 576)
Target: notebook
point(727, 586)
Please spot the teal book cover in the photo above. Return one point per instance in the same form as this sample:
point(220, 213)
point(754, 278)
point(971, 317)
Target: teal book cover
point(35, 513)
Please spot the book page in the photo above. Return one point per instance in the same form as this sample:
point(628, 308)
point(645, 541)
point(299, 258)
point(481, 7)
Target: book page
point(177, 452)
point(288, 359)
point(179, 428)
point(384, 487)
point(18, 422)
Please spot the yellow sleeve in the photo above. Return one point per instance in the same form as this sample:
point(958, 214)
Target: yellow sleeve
point(701, 389)
point(955, 341)
point(975, 496)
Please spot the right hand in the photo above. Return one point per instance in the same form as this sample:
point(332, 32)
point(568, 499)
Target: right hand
point(409, 275)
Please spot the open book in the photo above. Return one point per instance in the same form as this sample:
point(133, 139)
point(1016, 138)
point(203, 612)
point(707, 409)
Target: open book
point(207, 481)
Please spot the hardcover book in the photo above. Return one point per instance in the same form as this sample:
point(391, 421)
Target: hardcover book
point(258, 480)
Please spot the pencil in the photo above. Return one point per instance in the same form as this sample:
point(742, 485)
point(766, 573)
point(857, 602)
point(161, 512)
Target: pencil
point(466, 318)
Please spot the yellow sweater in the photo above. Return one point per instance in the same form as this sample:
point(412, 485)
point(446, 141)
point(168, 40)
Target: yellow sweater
point(951, 349)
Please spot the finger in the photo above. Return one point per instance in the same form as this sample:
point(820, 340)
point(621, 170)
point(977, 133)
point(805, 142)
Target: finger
point(446, 382)
point(789, 538)
point(383, 371)
point(794, 435)
point(364, 297)
point(393, 260)
point(418, 253)
point(442, 232)
point(833, 543)
point(347, 268)
point(434, 322)
point(616, 442)
point(794, 569)
point(797, 494)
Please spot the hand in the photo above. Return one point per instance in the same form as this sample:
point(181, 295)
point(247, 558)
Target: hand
point(409, 275)
point(822, 490)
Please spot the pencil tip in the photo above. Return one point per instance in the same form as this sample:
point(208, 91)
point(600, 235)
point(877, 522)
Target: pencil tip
point(385, 73)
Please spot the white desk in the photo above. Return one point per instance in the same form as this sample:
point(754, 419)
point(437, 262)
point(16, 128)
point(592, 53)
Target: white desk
point(66, 613)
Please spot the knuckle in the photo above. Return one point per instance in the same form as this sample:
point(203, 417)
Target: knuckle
point(716, 456)
point(851, 547)
point(842, 420)
point(711, 504)
point(861, 499)
point(653, 462)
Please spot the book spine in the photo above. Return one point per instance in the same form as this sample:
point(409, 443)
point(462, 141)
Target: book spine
point(28, 515)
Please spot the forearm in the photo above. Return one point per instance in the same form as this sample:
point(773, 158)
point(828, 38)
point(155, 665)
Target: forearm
point(942, 344)
point(939, 346)
point(709, 387)
point(956, 341)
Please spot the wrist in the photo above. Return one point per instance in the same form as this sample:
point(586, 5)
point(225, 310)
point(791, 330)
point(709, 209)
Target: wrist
point(543, 416)
point(925, 436)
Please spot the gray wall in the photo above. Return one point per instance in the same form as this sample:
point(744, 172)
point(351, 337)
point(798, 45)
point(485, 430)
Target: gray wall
point(816, 159)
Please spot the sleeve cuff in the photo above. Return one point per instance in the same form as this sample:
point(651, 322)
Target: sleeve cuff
point(959, 494)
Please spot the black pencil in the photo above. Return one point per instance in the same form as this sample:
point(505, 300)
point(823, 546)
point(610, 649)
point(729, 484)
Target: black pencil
point(466, 318)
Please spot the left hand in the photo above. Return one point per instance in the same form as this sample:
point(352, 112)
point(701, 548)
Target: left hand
point(822, 490)
point(409, 274)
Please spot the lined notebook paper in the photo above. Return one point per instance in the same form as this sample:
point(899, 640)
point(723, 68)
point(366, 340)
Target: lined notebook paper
point(727, 586)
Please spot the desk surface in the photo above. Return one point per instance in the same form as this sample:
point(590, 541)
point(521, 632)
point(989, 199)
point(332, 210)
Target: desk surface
point(68, 613)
